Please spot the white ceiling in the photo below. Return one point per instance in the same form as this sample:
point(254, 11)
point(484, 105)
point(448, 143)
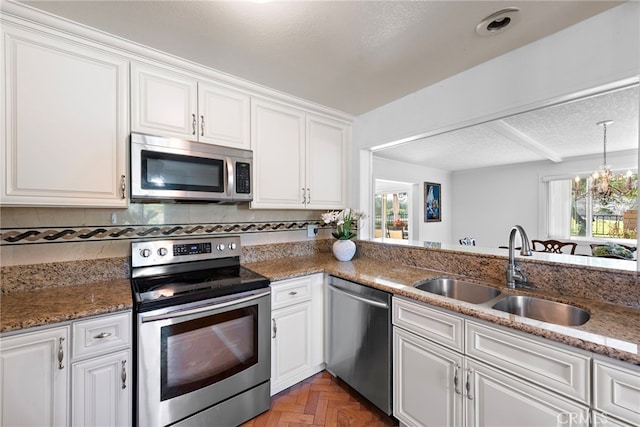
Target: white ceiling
point(353, 56)
point(554, 133)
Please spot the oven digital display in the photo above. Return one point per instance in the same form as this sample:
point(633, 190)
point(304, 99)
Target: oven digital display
point(192, 249)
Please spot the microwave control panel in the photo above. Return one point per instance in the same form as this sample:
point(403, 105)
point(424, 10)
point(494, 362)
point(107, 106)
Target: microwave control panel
point(243, 178)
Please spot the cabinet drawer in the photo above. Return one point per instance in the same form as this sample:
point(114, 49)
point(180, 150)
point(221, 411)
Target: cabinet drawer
point(430, 323)
point(101, 334)
point(561, 370)
point(287, 292)
point(616, 389)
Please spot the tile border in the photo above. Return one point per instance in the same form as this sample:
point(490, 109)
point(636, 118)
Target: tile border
point(22, 236)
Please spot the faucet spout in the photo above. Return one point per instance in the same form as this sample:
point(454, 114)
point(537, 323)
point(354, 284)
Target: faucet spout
point(514, 273)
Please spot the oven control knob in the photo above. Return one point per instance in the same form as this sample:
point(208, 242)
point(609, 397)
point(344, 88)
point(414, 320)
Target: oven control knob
point(220, 247)
point(232, 246)
point(145, 253)
point(162, 251)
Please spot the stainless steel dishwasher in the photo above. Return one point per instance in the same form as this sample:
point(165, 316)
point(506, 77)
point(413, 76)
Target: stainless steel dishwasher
point(359, 340)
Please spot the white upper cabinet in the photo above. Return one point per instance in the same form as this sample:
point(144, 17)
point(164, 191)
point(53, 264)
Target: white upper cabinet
point(279, 155)
point(66, 121)
point(300, 159)
point(326, 163)
point(172, 104)
point(224, 116)
point(163, 102)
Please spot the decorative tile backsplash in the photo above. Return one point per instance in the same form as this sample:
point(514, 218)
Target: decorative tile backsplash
point(67, 234)
point(44, 235)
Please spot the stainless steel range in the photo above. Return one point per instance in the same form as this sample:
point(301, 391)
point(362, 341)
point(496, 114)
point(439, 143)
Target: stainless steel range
point(202, 333)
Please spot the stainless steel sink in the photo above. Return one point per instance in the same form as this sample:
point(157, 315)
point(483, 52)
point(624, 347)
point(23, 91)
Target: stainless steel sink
point(459, 290)
point(544, 310)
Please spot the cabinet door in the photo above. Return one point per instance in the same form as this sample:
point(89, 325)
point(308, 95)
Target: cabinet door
point(101, 391)
point(290, 345)
point(163, 102)
point(499, 399)
point(66, 121)
point(327, 142)
point(224, 116)
point(616, 389)
point(548, 364)
point(33, 380)
point(277, 139)
point(427, 382)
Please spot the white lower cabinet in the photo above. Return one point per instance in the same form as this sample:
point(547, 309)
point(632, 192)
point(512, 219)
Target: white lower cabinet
point(438, 384)
point(616, 392)
point(40, 370)
point(297, 338)
point(34, 378)
point(494, 398)
point(101, 392)
point(424, 375)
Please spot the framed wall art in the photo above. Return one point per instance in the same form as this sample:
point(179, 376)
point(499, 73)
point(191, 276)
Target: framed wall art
point(432, 202)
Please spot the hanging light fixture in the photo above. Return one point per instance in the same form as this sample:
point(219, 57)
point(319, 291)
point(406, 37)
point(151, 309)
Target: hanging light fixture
point(602, 179)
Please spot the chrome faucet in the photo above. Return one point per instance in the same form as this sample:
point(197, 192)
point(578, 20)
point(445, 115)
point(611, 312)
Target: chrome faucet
point(514, 273)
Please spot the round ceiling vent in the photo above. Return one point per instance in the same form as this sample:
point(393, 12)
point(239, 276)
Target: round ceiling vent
point(498, 22)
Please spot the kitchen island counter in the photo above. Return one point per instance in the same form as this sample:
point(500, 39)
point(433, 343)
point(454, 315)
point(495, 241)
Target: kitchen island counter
point(611, 331)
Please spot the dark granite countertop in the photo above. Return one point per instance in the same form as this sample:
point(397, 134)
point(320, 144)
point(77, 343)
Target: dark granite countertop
point(612, 330)
point(31, 308)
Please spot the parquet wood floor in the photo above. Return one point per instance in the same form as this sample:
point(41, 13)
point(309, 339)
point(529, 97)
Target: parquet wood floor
point(321, 400)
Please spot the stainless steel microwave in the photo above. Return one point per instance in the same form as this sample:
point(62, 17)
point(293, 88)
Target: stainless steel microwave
point(175, 170)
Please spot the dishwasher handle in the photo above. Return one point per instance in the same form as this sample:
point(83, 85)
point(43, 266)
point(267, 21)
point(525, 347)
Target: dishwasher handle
point(359, 298)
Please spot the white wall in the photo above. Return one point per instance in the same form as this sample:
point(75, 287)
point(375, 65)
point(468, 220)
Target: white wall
point(593, 53)
point(398, 171)
point(486, 203)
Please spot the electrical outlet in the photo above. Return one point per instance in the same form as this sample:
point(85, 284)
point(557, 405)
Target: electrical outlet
point(312, 230)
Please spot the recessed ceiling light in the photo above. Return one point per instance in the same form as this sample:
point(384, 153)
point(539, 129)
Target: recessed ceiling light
point(498, 22)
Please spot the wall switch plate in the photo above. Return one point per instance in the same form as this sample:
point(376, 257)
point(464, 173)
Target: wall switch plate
point(312, 230)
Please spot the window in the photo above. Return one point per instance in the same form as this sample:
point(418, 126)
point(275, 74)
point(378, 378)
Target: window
point(574, 212)
point(392, 215)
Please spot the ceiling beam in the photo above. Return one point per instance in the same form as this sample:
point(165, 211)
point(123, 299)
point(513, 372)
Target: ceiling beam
point(524, 140)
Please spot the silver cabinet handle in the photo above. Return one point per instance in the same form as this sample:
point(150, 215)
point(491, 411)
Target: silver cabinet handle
point(194, 124)
point(468, 384)
point(123, 374)
point(201, 125)
point(455, 378)
point(103, 335)
point(60, 353)
point(123, 187)
point(308, 195)
point(275, 328)
point(292, 293)
point(304, 196)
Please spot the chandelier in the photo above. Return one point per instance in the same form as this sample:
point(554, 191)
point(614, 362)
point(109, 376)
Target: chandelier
point(602, 180)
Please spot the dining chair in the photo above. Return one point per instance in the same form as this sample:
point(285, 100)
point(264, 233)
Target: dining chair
point(554, 246)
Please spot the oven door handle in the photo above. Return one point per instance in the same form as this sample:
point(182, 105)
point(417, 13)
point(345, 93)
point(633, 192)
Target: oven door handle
point(198, 308)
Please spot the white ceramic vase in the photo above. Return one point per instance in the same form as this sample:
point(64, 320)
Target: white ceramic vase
point(344, 250)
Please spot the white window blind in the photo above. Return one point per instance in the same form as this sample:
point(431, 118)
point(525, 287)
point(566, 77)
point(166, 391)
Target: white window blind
point(559, 212)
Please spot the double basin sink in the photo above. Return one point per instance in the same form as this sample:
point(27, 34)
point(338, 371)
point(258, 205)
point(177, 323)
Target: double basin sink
point(525, 306)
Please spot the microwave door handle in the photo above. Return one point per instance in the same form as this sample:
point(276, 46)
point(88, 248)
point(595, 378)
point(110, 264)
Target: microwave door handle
point(230, 176)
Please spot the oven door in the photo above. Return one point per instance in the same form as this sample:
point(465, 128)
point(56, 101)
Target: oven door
point(194, 356)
